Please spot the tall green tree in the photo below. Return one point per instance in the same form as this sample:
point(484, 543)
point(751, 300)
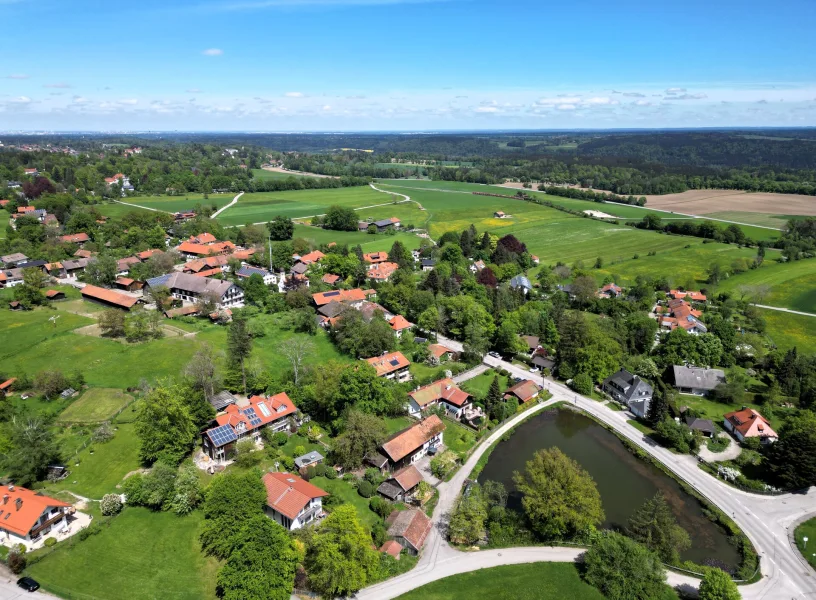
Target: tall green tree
point(362, 433)
point(340, 560)
point(32, 448)
point(792, 460)
point(718, 585)
point(558, 496)
point(622, 569)
point(164, 426)
point(281, 228)
point(262, 566)
point(494, 396)
point(232, 499)
point(654, 526)
point(239, 344)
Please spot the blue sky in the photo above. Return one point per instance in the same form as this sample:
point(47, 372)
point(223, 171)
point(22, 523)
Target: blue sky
point(323, 65)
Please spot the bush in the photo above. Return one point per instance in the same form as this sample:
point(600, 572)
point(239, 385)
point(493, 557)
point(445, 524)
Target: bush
point(365, 489)
point(310, 473)
point(16, 562)
point(373, 476)
point(49, 542)
point(320, 470)
point(582, 383)
point(275, 439)
point(132, 489)
point(103, 433)
point(110, 504)
point(288, 463)
point(330, 473)
point(380, 506)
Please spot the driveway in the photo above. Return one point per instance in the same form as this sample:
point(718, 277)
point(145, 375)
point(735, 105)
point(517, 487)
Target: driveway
point(10, 591)
point(732, 451)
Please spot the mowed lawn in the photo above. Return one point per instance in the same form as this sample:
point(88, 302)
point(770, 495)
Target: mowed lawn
point(807, 530)
point(99, 473)
point(95, 405)
point(181, 203)
point(264, 206)
point(535, 581)
point(348, 495)
point(141, 555)
point(792, 284)
point(368, 242)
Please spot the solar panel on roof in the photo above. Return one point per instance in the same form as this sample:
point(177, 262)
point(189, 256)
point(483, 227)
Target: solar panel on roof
point(254, 419)
point(393, 362)
point(331, 294)
point(222, 435)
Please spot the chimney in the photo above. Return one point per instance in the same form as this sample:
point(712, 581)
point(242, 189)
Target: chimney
point(11, 487)
point(19, 503)
point(5, 498)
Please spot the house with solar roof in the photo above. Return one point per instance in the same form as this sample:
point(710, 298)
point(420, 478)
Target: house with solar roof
point(245, 420)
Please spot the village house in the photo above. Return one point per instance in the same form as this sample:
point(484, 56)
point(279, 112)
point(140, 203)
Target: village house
point(520, 282)
point(209, 264)
point(330, 279)
point(694, 296)
point(535, 259)
point(392, 365)
point(477, 266)
point(696, 380)
point(291, 501)
point(55, 270)
point(31, 172)
point(401, 485)
point(630, 391)
point(704, 426)
point(427, 264)
point(192, 250)
point(441, 353)
point(55, 295)
point(443, 392)
point(409, 528)
point(108, 297)
point(523, 391)
point(312, 257)
point(375, 257)
point(191, 288)
point(532, 342)
point(124, 265)
point(384, 224)
point(382, 271)
point(610, 290)
point(75, 238)
point(26, 517)
point(748, 423)
point(678, 313)
point(11, 260)
point(73, 268)
point(409, 445)
point(399, 324)
point(12, 277)
point(310, 459)
point(128, 284)
point(353, 297)
point(145, 255)
point(247, 271)
point(246, 419)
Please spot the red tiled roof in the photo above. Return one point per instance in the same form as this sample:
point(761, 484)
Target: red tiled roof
point(407, 477)
point(391, 547)
point(25, 209)
point(313, 257)
point(354, 295)
point(209, 273)
point(412, 525)
point(330, 279)
point(382, 271)
point(444, 389)
point(109, 296)
point(438, 350)
point(83, 253)
point(388, 363)
point(203, 238)
point(289, 494)
point(53, 294)
point(696, 296)
point(124, 280)
point(147, 254)
point(524, 390)
point(243, 254)
point(375, 257)
point(205, 249)
point(23, 508)
point(267, 409)
point(408, 440)
point(7, 384)
point(398, 323)
point(750, 423)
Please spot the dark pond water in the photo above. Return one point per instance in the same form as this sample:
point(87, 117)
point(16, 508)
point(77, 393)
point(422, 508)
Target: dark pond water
point(624, 481)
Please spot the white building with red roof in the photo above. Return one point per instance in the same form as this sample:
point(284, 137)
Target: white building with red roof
point(291, 501)
point(26, 517)
point(246, 420)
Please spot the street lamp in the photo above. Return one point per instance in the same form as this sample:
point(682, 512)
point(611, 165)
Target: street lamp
point(804, 539)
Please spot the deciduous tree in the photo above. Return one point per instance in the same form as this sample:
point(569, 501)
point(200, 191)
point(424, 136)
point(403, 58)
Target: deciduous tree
point(622, 569)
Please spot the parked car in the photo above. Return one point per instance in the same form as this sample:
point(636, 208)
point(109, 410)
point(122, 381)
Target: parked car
point(494, 354)
point(534, 369)
point(28, 584)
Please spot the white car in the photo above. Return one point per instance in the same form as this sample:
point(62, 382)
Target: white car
point(534, 369)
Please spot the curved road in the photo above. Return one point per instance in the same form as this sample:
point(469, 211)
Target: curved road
point(764, 519)
point(223, 208)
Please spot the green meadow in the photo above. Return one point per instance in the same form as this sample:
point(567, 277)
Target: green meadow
point(787, 330)
point(792, 284)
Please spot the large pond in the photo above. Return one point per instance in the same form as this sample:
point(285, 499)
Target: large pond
point(624, 481)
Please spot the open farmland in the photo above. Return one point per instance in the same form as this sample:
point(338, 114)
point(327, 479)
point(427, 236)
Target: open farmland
point(787, 330)
point(703, 202)
point(369, 243)
point(269, 173)
point(95, 405)
point(264, 206)
point(181, 203)
point(752, 218)
point(792, 285)
point(557, 236)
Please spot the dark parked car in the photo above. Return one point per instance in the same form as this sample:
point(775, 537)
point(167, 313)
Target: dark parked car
point(28, 584)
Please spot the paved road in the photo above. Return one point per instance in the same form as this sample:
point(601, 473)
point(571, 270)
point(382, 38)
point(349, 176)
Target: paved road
point(10, 591)
point(764, 519)
point(223, 208)
point(787, 310)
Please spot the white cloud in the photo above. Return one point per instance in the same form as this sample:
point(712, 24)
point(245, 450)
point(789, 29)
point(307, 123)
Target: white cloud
point(675, 90)
point(79, 100)
point(20, 100)
point(558, 100)
point(59, 86)
point(193, 91)
point(129, 101)
point(294, 94)
point(688, 97)
point(327, 107)
point(17, 76)
point(487, 109)
point(213, 52)
point(600, 101)
point(643, 103)
point(566, 107)
point(634, 95)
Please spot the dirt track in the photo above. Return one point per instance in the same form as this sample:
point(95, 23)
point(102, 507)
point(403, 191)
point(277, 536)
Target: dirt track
point(282, 170)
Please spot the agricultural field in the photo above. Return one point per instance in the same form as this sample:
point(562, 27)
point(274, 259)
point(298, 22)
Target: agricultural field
point(535, 581)
point(787, 330)
point(264, 206)
point(267, 174)
point(95, 405)
point(181, 203)
point(368, 242)
point(161, 547)
point(792, 284)
point(4, 218)
point(703, 202)
point(764, 219)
